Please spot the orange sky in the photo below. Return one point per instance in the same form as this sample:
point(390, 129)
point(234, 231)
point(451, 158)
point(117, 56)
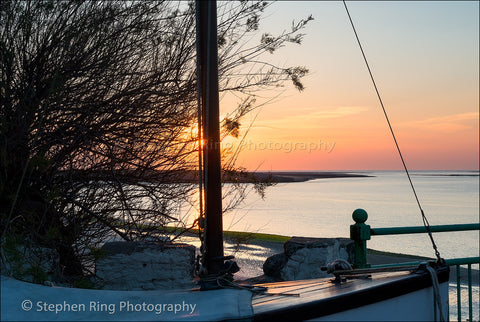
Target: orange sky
point(424, 56)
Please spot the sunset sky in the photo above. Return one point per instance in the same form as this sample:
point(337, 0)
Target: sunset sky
point(425, 59)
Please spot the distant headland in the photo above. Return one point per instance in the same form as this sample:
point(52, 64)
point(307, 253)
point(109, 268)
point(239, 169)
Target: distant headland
point(191, 176)
point(294, 176)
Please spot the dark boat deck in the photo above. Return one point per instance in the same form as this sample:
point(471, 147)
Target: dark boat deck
point(307, 299)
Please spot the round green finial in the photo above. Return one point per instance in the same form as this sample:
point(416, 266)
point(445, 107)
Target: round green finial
point(359, 216)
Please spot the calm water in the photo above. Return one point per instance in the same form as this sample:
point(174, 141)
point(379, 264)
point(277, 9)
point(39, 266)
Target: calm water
point(323, 208)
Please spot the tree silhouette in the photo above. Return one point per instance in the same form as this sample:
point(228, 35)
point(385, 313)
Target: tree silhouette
point(98, 115)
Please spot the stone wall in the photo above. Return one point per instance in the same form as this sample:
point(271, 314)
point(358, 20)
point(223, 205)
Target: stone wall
point(303, 258)
point(31, 264)
point(146, 266)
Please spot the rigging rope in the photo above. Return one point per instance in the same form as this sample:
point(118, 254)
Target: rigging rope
point(201, 214)
point(424, 218)
point(436, 294)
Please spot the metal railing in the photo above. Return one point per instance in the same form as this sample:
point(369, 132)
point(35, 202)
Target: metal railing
point(361, 232)
point(457, 262)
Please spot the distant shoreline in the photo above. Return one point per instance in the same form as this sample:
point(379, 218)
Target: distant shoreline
point(191, 176)
point(294, 176)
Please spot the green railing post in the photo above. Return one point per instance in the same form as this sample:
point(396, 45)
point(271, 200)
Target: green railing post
point(470, 300)
point(459, 296)
point(360, 233)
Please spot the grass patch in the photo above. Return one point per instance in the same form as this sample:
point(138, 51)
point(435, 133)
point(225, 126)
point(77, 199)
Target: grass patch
point(255, 237)
point(237, 235)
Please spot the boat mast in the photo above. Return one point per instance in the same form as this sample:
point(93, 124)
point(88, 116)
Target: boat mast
point(207, 63)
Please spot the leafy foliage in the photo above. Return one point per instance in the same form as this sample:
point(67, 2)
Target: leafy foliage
point(98, 107)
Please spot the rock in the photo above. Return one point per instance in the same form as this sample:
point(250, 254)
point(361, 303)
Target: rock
point(274, 264)
point(296, 243)
point(303, 257)
point(146, 266)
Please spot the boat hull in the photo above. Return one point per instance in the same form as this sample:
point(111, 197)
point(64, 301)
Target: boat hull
point(393, 296)
point(414, 306)
point(398, 296)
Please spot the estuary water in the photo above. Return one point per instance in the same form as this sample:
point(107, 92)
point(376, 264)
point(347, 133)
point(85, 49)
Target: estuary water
point(323, 208)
